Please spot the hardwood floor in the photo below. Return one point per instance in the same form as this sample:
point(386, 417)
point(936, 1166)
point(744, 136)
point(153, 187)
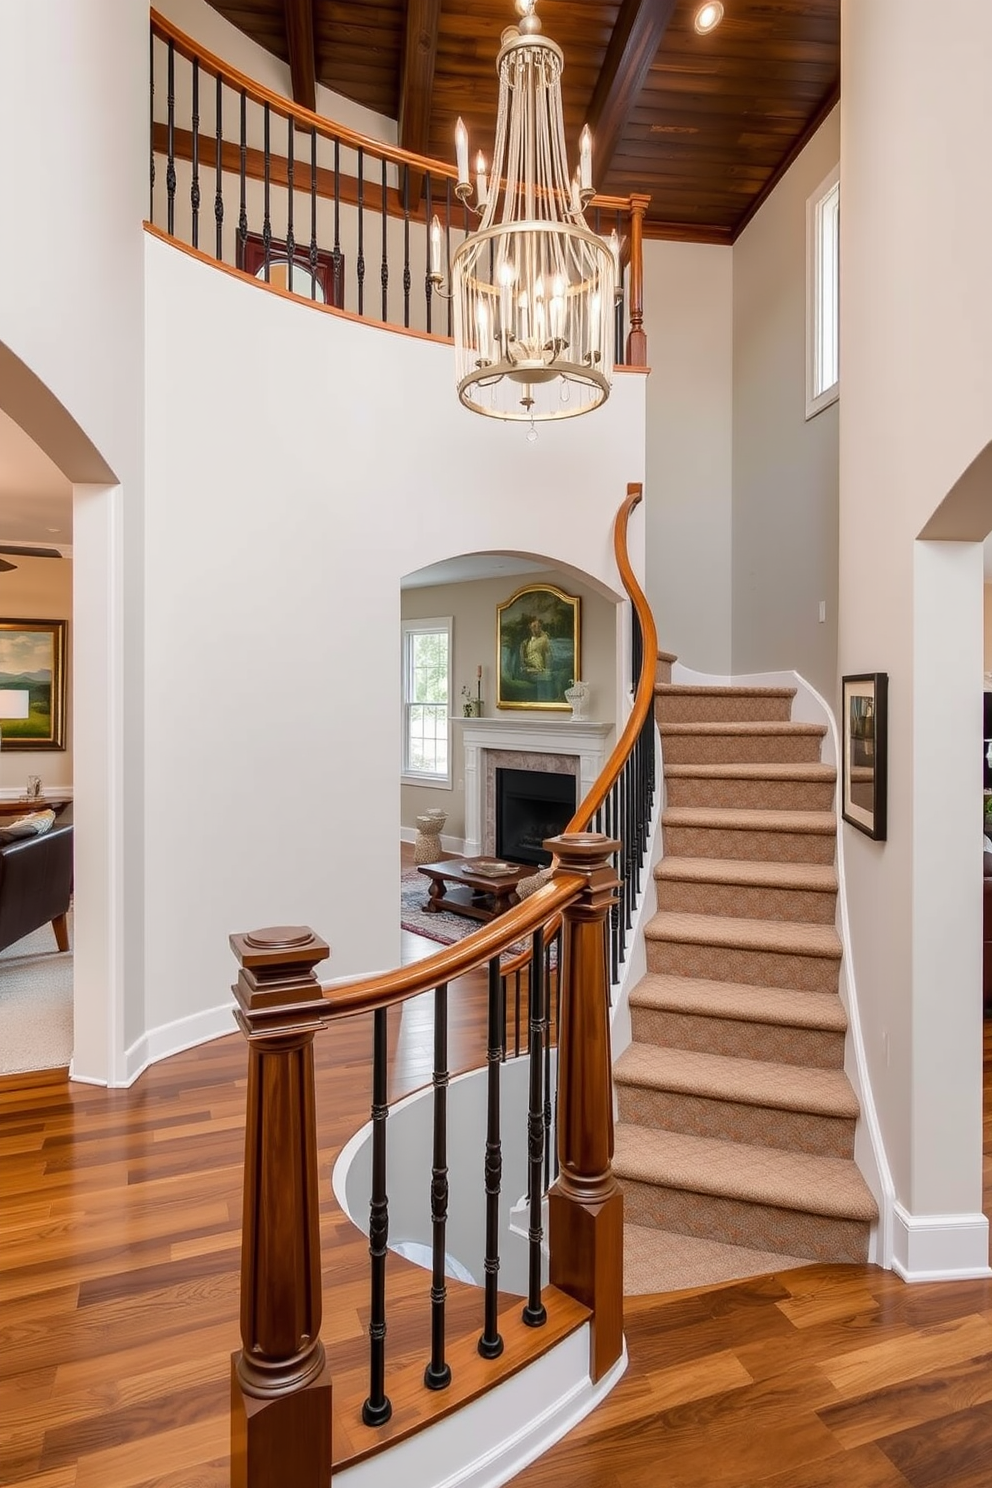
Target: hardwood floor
point(119, 1254)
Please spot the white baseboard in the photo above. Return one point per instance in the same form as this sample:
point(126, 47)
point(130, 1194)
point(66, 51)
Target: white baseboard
point(454, 845)
point(939, 1247)
point(492, 1439)
point(172, 1038)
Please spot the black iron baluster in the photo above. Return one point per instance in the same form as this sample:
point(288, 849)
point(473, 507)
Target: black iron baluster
point(151, 127)
point(407, 277)
point(290, 234)
point(336, 256)
point(556, 942)
point(491, 1344)
point(194, 190)
point(170, 172)
point(551, 1116)
point(243, 211)
point(384, 269)
point(636, 649)
point(360, 260)
point(447, 253)
point(428, 286)
point(266, 220)
point(313, 214)
point(218, 162)
point(377, 1408)
point(438, 1373)
point(534, 1313)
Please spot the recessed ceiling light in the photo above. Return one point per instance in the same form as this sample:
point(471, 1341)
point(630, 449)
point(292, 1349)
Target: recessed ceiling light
point(708, 17)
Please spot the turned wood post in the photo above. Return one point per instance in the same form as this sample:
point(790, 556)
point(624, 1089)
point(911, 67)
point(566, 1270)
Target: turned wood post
point(637, 341)
point(280, 1383)
point(585, 1204)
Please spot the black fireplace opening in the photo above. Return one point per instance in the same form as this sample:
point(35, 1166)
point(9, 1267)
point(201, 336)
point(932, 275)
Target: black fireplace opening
point(530, 806)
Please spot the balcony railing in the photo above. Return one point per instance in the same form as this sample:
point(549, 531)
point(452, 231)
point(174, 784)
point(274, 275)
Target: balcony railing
point(316, 210)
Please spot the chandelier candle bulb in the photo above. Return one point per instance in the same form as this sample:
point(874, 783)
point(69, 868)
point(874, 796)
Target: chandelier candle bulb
point(461, 152)
point(435, 246)
point(585, 159)
point(481, 184)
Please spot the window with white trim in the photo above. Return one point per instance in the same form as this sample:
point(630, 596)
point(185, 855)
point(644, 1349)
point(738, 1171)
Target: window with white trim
point(427, 702)
point(823, 295)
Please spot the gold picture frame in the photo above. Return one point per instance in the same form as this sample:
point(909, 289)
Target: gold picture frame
point(32, 658)
point(537, 648)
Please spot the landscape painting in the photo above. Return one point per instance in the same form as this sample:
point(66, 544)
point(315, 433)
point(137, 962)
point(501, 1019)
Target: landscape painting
point(32, 660)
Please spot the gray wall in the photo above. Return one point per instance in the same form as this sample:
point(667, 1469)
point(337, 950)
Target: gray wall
point(785, 467)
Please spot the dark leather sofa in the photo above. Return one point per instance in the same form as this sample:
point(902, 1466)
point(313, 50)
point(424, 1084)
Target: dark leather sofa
point(36, 883)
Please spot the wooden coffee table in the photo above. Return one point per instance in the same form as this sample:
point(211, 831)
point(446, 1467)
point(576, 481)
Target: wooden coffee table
point(477, 893)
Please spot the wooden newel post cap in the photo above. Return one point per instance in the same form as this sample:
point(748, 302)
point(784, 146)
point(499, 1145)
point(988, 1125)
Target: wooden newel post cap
point(276, 984)
point(587, 853)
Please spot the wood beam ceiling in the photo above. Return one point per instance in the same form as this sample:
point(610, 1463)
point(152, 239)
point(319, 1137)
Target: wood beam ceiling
point(417, 79)
point(633, 46)
point(302, 52)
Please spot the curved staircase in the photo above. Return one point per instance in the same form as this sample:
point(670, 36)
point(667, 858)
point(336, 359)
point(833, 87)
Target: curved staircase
point(735, 1134)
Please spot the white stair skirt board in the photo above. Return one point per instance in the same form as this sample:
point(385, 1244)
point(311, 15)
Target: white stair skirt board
point(172, 1038)
point(492, 1439)
point(939, 1247)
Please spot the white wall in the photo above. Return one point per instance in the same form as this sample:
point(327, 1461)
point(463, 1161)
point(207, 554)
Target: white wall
point(688, 318)
point(282, 513)
point(785, 466)
point(916, 410)
point(73, 81)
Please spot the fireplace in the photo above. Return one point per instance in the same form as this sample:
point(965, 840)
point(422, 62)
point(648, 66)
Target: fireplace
point(530, 806)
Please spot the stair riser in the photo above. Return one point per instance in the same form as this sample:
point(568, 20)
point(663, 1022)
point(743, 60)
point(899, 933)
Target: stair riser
point(752, 749)
point(735, 1222)
point(815, 1048)
point(745, 844)
point(805, 906)
point(753, 968)
point(737, 1121)
point(749, 795)
point(663, 671)
point(687, 708)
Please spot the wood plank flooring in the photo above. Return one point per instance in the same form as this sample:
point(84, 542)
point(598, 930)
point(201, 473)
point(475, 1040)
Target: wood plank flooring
point(119, 1253)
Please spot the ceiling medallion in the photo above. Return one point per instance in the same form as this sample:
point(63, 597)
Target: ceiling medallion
point(533, 286)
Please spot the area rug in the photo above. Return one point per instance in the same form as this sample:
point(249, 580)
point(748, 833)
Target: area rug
point(35, 1003)
point(444, 927)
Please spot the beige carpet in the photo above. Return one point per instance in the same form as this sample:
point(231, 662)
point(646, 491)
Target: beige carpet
point(35, 1003)
point(662, 1261)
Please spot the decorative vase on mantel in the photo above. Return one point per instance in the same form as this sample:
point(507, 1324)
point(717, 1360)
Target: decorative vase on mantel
point(577, 696)
point(427, 845)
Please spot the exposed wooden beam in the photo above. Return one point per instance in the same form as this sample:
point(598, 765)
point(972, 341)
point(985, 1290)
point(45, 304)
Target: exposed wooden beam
point(633, 47)
point(417, 82)
point(302, 52)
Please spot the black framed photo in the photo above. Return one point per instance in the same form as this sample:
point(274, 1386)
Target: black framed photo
point(864, 747)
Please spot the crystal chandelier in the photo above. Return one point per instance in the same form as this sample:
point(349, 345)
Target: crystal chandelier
point(533, 287)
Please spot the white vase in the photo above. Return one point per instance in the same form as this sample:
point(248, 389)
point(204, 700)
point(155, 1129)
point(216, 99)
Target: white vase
point(577, 696)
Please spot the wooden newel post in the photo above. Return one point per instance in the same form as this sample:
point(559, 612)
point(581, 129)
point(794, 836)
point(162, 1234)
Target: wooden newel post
point(586, 1205)
point(280, 1383)
point(637, 341)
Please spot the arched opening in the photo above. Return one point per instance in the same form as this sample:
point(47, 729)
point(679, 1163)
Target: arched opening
point(78, 494)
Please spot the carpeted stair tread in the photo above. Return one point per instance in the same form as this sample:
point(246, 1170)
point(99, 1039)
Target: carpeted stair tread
point(748, 770)
point(738, 819)
point(747, 873)
point(798, 1181)
point(786, 937)
point(780, 1006)
point(746, 728)
point(681, 689)
point(750, 1082)
point(663, 1261)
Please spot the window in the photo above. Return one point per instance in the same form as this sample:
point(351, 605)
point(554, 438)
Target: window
point(822, 295)
point(427, 702)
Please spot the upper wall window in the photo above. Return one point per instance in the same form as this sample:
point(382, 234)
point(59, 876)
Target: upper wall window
point(427, 702)
point(823, 294)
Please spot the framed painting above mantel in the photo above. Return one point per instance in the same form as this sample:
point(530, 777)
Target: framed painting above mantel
point(537, 648)
point(32, 660)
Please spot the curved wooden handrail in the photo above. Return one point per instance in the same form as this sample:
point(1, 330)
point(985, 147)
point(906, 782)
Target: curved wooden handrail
point(216, 67)
point(542, 908)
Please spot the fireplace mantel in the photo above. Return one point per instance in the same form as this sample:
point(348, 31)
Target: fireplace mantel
point(583, 741)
